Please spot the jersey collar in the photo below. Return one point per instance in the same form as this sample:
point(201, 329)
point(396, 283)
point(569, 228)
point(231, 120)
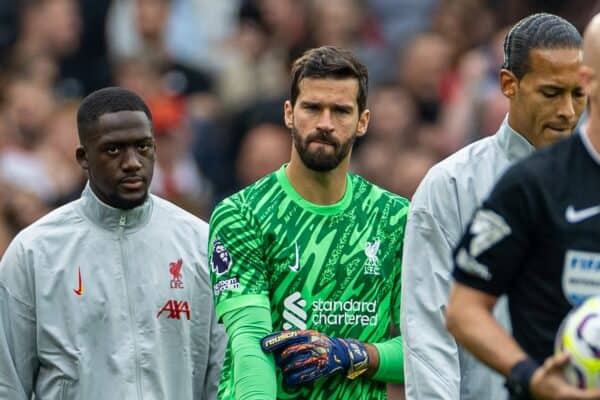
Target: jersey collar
point(112, 218)
point(331, 209)
point(588, 145)
point(512, 143)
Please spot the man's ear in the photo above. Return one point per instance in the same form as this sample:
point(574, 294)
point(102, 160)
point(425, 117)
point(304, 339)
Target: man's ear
point(363, 123)
point(509, 83)
point(288, 114)
point(587, 78)
point(81, 156)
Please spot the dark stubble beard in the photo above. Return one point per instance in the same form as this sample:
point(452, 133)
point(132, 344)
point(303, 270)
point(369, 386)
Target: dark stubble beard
point(320, 160)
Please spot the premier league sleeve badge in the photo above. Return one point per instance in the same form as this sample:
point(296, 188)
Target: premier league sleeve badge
point(221, 259)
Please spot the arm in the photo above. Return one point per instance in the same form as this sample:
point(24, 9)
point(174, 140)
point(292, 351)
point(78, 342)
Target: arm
point(217, 346)
point(254, 370)
point(469, 319)
point(471, 322)
point(240, 289)
point(18, 350)
point(431, 355)
point(388, 361)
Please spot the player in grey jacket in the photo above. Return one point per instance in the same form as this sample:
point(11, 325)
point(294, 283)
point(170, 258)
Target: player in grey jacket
point(539, 77)
point(108, 296)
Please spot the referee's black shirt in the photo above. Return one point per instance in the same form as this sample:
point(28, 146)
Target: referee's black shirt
point(537, 239)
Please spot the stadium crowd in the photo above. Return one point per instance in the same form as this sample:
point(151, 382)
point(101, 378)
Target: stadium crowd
point(215, 74)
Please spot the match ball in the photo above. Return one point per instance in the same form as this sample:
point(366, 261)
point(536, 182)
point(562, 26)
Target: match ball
point(579, 335)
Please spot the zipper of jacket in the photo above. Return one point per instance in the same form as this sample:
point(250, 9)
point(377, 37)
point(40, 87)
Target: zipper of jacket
point(122, 222)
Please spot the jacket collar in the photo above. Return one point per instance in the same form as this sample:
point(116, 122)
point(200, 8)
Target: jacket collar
point(112, 218)
point(513, 144)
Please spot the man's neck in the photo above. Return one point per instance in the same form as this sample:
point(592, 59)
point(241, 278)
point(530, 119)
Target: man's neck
point(516, 126)
point(323, 188)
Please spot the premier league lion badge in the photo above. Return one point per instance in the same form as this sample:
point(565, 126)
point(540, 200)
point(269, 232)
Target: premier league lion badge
point(221, 259)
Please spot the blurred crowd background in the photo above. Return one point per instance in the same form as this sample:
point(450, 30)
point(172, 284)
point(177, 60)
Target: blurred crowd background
point(215, 74)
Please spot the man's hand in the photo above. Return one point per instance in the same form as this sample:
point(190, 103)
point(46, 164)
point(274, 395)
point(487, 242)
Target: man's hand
point(548, 382)
point(306, 355)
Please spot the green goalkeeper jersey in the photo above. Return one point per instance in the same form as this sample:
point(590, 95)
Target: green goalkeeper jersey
point(335, 268)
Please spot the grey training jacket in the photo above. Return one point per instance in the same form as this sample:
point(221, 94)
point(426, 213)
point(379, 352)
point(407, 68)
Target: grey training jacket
point(103, 303)
point(435, 366)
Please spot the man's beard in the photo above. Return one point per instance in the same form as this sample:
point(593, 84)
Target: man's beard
point(321, 160)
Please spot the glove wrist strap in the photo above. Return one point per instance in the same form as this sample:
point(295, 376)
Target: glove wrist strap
point(359, 358)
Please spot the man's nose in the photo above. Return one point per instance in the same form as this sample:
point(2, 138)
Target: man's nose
point(131, 160)
point(567, 107)
point(325, 122)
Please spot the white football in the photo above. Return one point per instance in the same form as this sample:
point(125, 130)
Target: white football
point(579, 335)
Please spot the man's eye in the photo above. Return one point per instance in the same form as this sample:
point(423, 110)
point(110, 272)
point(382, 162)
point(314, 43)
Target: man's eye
point(343, 111)
point(112, 150)
point(144, 147)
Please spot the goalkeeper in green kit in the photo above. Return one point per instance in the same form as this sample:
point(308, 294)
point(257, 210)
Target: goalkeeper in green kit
point(306, 262)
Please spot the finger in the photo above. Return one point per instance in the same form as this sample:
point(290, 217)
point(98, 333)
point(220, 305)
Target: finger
point(573, 393)
point(300, 347)
point(293, 358)
point(280, 340)
point(303, 376)
point(304, 361)
point(592, 394)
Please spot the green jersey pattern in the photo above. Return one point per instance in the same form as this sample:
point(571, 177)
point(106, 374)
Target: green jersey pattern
point(334, 268)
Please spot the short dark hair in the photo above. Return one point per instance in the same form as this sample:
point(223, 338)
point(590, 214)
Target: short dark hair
point(105, 101)
point(537, 31)
point(330, 62)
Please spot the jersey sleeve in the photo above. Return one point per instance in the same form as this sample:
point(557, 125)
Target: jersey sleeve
point(397, 288)
point(18, 351)
point(497, 239)
point(431, 356)
point(236, 259)
point(254, 370)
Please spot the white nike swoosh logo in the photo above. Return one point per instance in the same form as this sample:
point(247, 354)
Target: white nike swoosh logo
point(296, 266)
point(574, 216)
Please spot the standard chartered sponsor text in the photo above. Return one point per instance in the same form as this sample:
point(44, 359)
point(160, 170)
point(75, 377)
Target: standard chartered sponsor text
point(349, 312)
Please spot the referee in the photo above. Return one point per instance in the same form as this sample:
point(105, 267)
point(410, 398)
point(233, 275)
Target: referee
point(534, 239)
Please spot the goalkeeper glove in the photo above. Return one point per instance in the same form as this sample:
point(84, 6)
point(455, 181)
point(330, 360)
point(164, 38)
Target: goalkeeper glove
point(306, 355)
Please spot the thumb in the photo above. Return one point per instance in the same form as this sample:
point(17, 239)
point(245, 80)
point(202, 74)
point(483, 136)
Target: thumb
point(557, 361)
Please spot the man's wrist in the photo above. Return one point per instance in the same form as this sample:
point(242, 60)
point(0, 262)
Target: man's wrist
point(373, 365)
point(519, 378)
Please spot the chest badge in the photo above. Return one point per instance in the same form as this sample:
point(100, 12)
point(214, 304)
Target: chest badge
point(175, 271)
point(581, 275)
point(371, 266)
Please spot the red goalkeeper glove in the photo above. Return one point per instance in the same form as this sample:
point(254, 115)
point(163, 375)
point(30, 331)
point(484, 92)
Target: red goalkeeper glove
point(306, 355)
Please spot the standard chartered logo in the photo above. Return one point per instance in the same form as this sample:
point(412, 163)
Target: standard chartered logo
point(328, 312)
point(293, 311)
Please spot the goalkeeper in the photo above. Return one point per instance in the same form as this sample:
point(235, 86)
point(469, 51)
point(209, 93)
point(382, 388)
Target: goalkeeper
point(306, 262)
